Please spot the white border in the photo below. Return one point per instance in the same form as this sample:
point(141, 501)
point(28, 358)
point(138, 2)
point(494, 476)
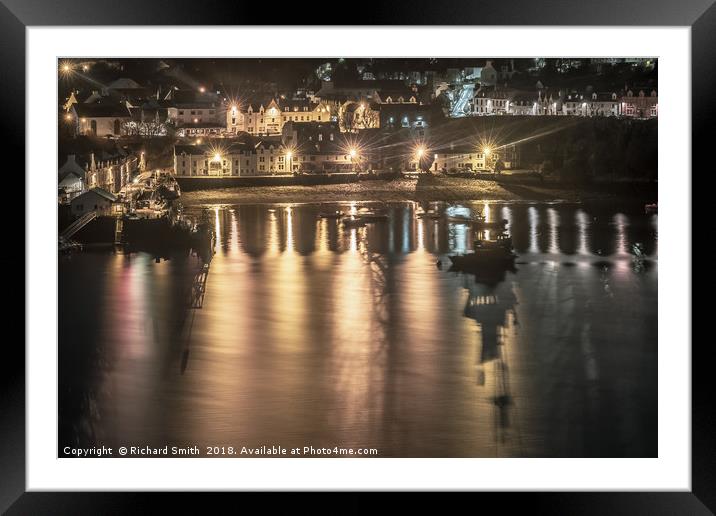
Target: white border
point(670, 471)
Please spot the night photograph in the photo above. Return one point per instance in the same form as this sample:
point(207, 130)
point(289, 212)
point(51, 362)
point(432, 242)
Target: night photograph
point(357, 257)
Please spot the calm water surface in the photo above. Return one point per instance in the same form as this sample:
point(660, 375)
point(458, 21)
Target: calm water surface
point(312, 334)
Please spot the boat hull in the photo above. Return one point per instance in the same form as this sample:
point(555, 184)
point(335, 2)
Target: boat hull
point(485, 258)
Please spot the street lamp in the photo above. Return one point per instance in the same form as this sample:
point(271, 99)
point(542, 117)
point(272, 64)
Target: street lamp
point(289, 155)
point(353, 153)
point(419, 153)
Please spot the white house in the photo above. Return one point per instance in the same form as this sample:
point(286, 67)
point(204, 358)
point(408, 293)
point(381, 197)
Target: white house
point(640, 105)
point(459, 158)
point(100, 119)
point(594, 104)
point(260, 119)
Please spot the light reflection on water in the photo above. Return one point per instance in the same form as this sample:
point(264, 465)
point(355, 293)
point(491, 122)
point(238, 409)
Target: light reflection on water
point(311, 333)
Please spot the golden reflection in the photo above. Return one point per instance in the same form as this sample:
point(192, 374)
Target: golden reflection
point(234, 235)
point(553, 219)
point(582, 232)
point(289, 230)
point(533, 217)
point(355, 356)
point(217, 228)
point(274, 240)
point(421, 245)
point(622, 245)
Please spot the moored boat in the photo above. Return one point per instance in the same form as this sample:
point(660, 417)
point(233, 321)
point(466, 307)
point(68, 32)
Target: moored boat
point(330, 214)
point(353, 222)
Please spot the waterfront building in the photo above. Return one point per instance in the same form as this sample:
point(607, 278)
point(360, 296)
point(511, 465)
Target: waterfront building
point(641, 105)
point(594, 104)
point(459, 158)
point(96, 199)
point(319, 147)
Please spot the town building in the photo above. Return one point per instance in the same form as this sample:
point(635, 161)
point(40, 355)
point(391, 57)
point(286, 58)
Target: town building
point(407, 115)
point(231, 158)
point(98, 200)
point(71, 179)
point(594, 104)
point(100, 118)
point(640, 105)
point(196, 112)
point(267, 118)
point(319, 147)
point(460, 158)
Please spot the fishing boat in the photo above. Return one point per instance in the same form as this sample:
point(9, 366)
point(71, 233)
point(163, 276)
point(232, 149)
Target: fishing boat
point(353, 222)
point(169, 189)
point(487, 253)
point(429, 215)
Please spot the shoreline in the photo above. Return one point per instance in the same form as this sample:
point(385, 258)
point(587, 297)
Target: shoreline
point(434, 189)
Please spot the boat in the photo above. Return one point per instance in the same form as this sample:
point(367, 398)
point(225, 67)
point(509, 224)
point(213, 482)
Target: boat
point(495, 225)
point(429, 215)
point(461, 219)
point(487, 253)
point(650, 208)
point(369, 217)
point(353, 222)
point(169, 190)
point(330, 214)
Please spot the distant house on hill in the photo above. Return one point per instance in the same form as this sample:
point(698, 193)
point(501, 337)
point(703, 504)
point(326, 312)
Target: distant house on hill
point(101, 119)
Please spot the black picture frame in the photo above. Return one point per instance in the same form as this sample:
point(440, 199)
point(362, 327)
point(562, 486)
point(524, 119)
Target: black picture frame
point(16, 15)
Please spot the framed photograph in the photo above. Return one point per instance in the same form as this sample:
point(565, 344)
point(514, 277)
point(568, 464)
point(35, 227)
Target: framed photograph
point(416, 252)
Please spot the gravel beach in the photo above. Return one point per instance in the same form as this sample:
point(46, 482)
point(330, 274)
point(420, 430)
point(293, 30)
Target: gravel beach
point(430, 189)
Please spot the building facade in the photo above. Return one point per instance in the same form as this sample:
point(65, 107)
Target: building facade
point(268, 120)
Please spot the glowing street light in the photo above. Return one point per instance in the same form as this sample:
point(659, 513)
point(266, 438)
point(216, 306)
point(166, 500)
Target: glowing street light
point(217, 157)
point(420, 154)
point(202, 89)
point(289, 155)
point(68, 117)
point(353, 153)
point(66, 69)
point(487, 151)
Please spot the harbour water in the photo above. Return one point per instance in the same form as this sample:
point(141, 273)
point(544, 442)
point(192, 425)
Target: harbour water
point(312, 334)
